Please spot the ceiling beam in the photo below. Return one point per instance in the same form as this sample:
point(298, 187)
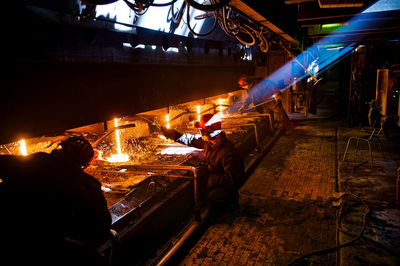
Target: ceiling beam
point(260, 19)
point(311, 11)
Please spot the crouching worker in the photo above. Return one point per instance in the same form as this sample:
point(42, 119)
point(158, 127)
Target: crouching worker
point(53, 213)
point(260, 92)
point(224, 168)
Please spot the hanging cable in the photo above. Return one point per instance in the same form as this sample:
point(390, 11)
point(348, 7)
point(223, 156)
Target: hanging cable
point(177, 18)
point(151, 3)
point(190, 28)
point(235, 30)
point(210, 7)
point(139, 8)
point(247, 32)
point(99, 2)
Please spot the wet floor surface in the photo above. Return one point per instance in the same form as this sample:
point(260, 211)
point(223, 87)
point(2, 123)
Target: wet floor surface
point(293, 201)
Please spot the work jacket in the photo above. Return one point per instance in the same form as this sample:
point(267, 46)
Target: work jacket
point(222, 159)
point(47, 200)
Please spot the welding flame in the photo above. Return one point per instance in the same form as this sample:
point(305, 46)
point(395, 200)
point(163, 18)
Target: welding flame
point(167, 120)
point(119, 157)
point(22, 147)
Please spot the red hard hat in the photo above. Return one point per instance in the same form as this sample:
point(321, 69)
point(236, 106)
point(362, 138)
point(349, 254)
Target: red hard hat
point(243, 80)
point(209, 123)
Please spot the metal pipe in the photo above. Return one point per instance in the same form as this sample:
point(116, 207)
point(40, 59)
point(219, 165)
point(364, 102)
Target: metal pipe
point(181, 114)
point(111, 131)
point(188, 231)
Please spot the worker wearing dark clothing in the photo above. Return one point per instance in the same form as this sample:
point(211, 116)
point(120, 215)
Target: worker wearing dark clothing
point(52, 211)
point(260, 91)
point(225, 167)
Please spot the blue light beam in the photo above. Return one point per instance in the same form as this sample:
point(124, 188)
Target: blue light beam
point(324, 58)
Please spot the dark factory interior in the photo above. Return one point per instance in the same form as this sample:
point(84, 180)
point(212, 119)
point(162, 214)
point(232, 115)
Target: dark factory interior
point(200, 132)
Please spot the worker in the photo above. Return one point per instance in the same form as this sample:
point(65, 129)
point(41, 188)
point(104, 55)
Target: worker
point(224, 168)
point(260, 92)
point(52, 211)
point(374, 115)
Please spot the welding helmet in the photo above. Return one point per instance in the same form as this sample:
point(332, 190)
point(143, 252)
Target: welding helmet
point(209, 125)
point(78, 150)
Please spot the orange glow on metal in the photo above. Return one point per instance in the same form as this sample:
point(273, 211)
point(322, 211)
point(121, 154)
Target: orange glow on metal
point(117, 137)
point(22, 147)
point(119, 157)
point(178, 150)
point(167, 120)
point(220, 107)
point(198, 112)
point(99, 155)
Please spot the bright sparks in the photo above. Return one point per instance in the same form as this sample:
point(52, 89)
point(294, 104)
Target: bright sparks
point(167, 120)
point(22, 147)
point(178, 150)
point(117, 137)
point(220, 108)
point(198, 112)
point(119, 157)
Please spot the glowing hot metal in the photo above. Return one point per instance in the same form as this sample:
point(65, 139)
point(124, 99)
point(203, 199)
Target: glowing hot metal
point(198, 112)
point(119, 157)
point(167, 120)
point(22, 147)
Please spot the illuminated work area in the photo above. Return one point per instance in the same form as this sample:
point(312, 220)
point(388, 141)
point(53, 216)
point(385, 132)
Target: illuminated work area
point(186, 132)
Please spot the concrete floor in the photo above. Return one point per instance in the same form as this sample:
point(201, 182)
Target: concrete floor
point(291, 204)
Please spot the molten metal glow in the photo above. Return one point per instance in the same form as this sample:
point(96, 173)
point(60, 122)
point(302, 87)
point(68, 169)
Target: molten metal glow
point(162, 137)
point(220, 108)
point(167, 120)
point(178, 150)
point(22, 147)
point(198, 112)
point(117, 137)
point(119, 157)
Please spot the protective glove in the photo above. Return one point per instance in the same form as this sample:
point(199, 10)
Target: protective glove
point(170, 133)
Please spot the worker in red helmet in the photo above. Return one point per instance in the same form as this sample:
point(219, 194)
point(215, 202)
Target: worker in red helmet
point(54, 212)
point(224, 166)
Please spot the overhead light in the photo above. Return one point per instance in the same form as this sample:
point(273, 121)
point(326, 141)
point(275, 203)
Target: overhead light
point(334, 48)
point(332, 25)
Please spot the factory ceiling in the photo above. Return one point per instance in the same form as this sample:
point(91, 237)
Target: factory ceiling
point(344, 20)
point(99, 61)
